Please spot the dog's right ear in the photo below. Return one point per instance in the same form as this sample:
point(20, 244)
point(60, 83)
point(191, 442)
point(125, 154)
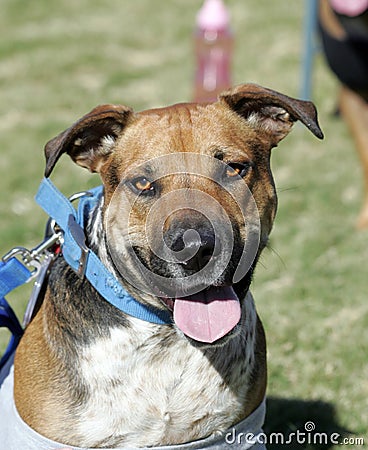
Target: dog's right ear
point(271, 111)
point(91, 139)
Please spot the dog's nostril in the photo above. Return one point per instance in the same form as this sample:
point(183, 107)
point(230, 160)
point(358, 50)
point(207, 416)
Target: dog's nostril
point(205, 253)
point(204, 250)
point(194, 248)
point(185, 243)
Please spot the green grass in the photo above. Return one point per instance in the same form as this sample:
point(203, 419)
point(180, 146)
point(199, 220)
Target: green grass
point(60, 59)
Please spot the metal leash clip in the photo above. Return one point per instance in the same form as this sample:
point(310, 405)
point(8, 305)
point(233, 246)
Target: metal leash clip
point(34, 258)
point(53, 236)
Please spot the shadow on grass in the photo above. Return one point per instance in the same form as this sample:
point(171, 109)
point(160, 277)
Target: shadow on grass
point(316, 419)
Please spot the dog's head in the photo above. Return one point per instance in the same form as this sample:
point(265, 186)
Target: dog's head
point(189, 196)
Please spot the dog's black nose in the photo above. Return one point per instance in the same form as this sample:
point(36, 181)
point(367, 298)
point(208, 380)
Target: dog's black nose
point(193, 247)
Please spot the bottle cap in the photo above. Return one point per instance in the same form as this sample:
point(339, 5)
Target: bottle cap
point(213, 16)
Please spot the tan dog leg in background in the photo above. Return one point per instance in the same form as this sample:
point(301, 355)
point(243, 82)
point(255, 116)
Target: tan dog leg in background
point(355, 112)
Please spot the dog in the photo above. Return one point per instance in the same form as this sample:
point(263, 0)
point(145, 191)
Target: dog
point(174, 178)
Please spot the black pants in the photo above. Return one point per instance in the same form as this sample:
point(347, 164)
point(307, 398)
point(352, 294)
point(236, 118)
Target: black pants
point(348, 58)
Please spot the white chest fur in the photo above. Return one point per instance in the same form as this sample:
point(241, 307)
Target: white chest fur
point(149, 386)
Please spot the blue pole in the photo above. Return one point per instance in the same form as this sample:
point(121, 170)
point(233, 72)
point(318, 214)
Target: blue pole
point(309, 47)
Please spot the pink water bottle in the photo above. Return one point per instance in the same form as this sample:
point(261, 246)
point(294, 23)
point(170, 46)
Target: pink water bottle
point(213, 48)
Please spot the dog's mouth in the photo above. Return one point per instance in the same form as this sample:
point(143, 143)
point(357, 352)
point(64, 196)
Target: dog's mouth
point(208, 315)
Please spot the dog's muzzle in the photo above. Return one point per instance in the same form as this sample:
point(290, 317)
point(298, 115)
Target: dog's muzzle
point(200, 261)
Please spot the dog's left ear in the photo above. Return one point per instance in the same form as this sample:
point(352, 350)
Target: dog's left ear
point(91, 139)
point(271, 111)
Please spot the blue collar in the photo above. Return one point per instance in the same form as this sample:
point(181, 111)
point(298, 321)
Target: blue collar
point(82, 259)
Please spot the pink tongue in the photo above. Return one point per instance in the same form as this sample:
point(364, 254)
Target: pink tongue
point(208, 315)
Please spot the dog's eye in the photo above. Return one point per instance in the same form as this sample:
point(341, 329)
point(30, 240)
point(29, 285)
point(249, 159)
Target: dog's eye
point(142, 185)
point(237, 169)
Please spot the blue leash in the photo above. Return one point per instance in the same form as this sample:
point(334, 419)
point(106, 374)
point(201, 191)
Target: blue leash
point(81, 259)
point(12, 274)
